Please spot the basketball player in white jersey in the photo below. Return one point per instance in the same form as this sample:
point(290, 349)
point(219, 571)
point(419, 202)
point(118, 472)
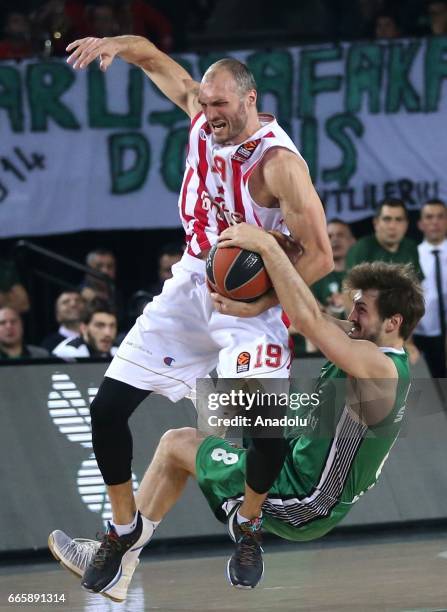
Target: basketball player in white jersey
point(240, 166)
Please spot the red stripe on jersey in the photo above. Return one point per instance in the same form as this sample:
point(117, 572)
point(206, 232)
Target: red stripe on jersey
point(194, 119)
point(193, 122)
point(237, 188)
point(285, 319)
point(245, 179)
point(257, 219)
point(249, 171)
point(200, 214)
point(187, 218)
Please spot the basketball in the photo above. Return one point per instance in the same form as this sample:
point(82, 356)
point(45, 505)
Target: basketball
point(237, 274)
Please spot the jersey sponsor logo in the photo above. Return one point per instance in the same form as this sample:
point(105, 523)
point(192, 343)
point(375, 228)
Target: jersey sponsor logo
point(246, 150)
point(168, 361)
point(243, 362)
point(202, 134)
point(223, 213)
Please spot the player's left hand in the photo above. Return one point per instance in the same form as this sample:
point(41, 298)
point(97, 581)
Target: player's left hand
point(243, 309)
point(245, 236)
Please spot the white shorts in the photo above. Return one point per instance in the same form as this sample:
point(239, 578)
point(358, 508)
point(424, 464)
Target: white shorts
point(180, 337)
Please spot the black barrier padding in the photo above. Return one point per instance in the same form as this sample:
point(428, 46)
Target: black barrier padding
point(43, 487)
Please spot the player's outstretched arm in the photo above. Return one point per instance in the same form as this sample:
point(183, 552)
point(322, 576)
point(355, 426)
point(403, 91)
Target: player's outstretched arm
point(171, 78)
point(358, 358)
point(287, 178)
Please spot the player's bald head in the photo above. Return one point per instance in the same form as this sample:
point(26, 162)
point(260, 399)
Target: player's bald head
point(239, 73)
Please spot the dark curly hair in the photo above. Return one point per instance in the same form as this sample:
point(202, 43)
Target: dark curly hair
point(400, 291)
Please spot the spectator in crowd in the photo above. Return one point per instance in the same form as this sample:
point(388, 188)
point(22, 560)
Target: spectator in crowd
point(328, 290)
point(387, 26)
point(388, 243)
point(104, 261)
point(169, 255)
point(143, 19)
point(430, 333)
point(16, 40)
point(12, 292)
point(357, 17)
point(58, 22)
point(12, 345)
point(68, 312)
point(437, 12)
point(103, 20)
point(98, 334)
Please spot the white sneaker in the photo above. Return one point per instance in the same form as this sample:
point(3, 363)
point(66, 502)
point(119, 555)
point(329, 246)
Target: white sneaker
point(75, 554)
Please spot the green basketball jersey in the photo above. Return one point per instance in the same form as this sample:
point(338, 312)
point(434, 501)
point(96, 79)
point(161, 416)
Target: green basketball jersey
point(336, 459)
point(329, 464)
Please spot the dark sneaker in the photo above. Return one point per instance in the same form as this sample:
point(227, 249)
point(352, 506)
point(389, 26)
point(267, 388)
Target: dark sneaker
point(245, 568)
point(111, 568)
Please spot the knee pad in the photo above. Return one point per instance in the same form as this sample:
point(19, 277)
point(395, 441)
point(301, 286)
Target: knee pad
point(112, 440)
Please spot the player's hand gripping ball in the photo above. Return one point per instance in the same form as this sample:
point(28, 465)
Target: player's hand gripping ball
point(237, 274)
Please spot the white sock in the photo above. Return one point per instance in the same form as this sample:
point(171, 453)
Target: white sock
point(125, 529)
point(149, 527)
point(241, 519)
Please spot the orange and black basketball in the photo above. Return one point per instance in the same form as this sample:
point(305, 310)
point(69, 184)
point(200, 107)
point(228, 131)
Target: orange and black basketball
point(237, 274)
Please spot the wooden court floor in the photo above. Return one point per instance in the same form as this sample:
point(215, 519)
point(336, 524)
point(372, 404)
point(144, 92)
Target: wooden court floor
point(385, 573)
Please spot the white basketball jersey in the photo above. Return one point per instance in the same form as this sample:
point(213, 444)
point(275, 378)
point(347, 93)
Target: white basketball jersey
point(214, 193)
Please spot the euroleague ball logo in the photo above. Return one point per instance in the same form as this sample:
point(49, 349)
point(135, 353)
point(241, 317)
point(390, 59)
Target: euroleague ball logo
point(243, 362)
point(70, 412)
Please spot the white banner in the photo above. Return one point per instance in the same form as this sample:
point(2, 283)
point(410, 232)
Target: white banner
point(88, 150)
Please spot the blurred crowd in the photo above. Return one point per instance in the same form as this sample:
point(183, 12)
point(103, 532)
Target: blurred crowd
point(91, 319)
point(389, 243)
point(45, 28)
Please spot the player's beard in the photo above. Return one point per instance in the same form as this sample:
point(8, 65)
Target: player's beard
point(373, 334)
point(237, 124)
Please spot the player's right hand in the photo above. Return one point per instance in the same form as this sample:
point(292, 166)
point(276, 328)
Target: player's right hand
point(235, 308)
point(88, 49)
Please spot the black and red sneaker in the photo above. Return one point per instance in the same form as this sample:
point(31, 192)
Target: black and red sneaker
point(245, 568)
point(110, 562)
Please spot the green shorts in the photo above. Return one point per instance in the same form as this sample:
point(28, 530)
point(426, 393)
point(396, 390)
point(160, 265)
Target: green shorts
point(220, 469)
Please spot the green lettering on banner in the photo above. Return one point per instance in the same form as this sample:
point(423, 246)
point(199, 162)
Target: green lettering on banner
point(336, 127)
point(46, 82)
point(128, 178)
point(309, 144)
point(11, 96)
point(273, 74)
point(435, 71)
point(170, 117)
point(99, 114)
point(400, 92)
point(173, 158)
point(310, 85)
point(364, 66)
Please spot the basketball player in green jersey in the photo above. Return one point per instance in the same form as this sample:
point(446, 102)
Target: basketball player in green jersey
point(328, 466)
